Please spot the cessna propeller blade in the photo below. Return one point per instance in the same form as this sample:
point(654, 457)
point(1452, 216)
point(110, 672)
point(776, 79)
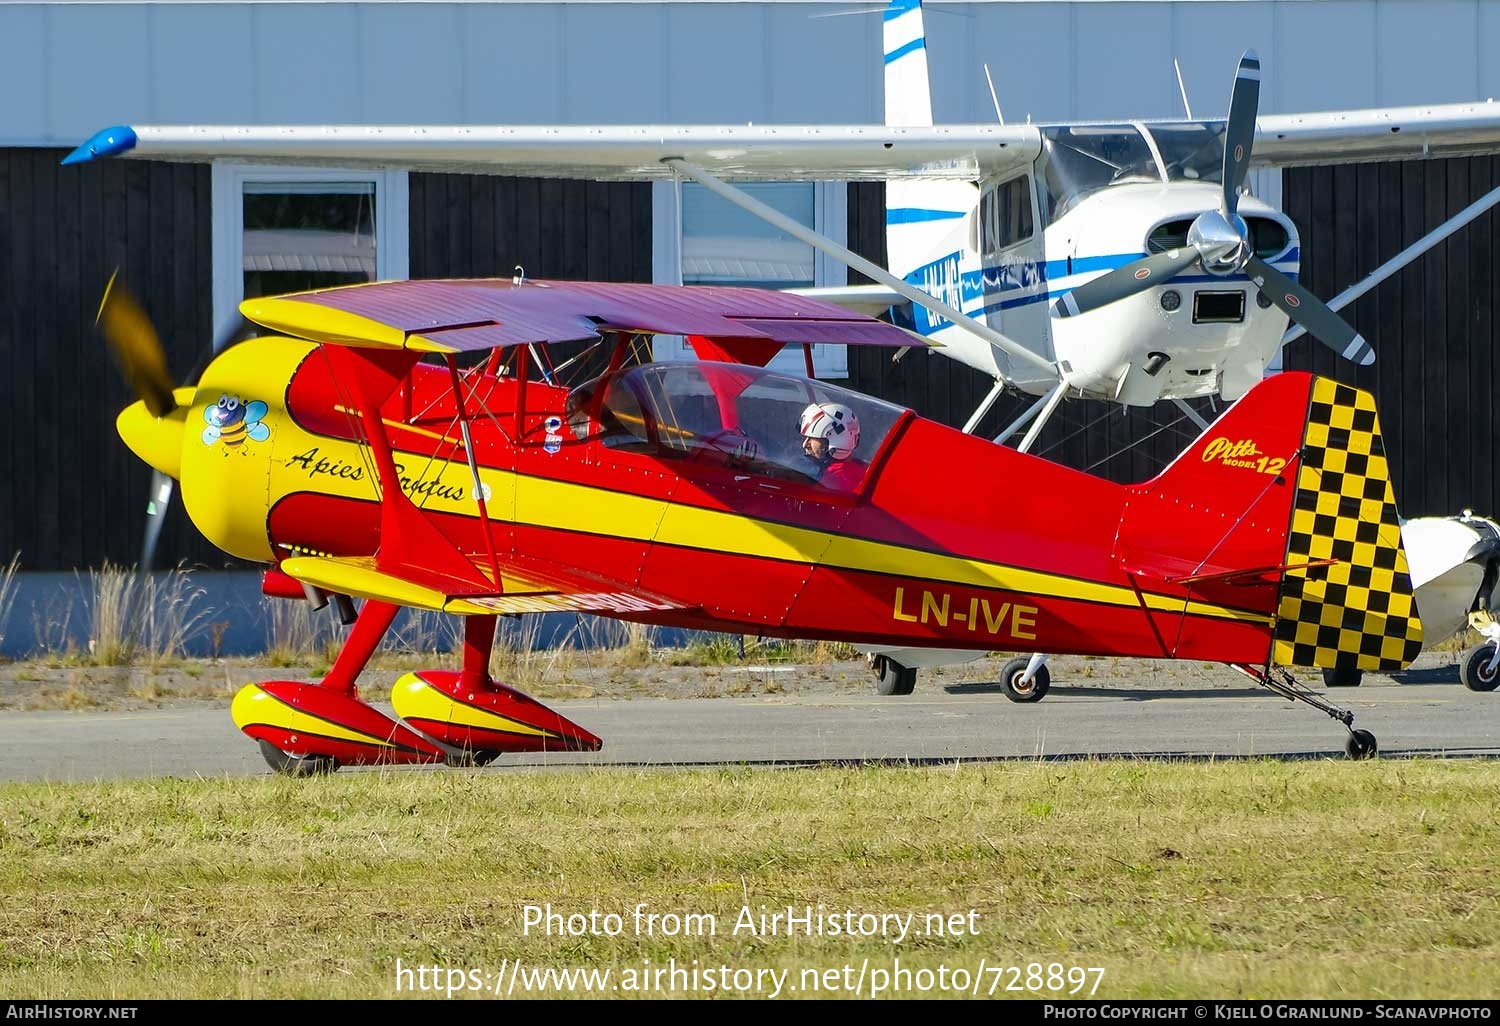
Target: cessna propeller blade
point(1239, 135)
point(1136, 276)
point(1310, 312)
point(1219, 241)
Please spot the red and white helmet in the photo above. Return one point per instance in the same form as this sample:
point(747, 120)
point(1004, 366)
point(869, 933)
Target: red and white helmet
point(836, 424)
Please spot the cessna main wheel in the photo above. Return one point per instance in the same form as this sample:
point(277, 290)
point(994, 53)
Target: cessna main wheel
point(1474, 673)
point(296, 765)
point(1033, 690)
point(891, 678)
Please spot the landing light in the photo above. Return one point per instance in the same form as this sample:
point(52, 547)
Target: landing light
point(1261, 300)
point(1171, 300)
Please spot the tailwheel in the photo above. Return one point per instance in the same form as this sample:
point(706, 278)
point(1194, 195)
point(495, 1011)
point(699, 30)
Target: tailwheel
point(1017, 687)
point(892, 678)
point(296, 765)
point(1361, 745)
point(1480, 671)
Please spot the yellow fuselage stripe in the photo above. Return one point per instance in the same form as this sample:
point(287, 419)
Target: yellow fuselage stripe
point(566, 506)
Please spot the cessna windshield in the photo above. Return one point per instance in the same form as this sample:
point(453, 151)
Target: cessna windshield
point(727, 414)
point(1192, 151)
point(1079, 160)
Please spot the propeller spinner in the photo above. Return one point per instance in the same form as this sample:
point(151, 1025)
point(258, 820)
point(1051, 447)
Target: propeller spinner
point(1219, 242)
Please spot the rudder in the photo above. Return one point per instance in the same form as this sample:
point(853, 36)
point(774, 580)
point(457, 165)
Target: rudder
point(1358, 613)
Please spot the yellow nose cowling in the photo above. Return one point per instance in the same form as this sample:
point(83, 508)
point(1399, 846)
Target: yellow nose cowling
point(157, 440)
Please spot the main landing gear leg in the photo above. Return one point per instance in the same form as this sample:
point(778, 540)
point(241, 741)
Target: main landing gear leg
point(1361, 743)
point(305, 729)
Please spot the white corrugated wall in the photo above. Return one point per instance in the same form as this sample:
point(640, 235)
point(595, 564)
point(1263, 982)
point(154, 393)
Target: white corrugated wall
point(67, 69)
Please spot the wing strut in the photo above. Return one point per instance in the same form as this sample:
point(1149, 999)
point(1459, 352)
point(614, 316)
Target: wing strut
point(852, 259)
point(1405, 257)
point(484, 515)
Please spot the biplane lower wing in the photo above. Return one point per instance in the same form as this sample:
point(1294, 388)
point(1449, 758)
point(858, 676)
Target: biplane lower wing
point(527, 585)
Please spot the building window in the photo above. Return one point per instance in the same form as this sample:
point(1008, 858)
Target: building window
point(279, 230)
point(700, 238)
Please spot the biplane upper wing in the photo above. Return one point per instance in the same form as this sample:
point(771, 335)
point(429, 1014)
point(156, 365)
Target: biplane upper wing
point(772, 152)
point(527, 585)
point(457, 316)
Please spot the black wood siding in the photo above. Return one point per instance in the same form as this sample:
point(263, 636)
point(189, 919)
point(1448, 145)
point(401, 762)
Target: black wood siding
point(481, 226)
point(75, 496)
point(1435, 375)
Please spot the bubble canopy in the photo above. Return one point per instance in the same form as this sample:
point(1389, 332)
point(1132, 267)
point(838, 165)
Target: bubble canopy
point(722, 413)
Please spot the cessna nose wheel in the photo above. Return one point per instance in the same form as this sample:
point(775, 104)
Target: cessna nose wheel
point(1017, 687)
point(1479, 670)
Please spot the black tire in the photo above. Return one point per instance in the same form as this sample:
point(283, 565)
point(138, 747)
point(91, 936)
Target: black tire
point(1334, 678)
point(296, 765)
point(1034, 690)
point(891, 678)
point(1472, 671)
point(470, 758)
point(1361, 745)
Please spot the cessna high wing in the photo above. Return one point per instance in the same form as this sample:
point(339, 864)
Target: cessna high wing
point(414, 444)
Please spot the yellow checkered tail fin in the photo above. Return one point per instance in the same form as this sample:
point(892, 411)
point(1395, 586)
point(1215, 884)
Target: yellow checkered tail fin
point(1358, 612)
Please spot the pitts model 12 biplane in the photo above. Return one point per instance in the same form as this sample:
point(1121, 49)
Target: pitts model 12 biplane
point(412, 447)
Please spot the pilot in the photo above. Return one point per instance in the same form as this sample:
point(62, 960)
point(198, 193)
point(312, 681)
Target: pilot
point(830, 434)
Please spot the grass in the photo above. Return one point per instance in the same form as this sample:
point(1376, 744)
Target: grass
point(147, 619)
point(710, 649)
point(1253, 880)
point(7, 593)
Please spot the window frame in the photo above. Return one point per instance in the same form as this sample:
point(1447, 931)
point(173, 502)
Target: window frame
point(831, 216)
point(988, 190)
point(392, 223)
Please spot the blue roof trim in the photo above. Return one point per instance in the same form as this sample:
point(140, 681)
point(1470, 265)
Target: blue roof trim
point(109, 143)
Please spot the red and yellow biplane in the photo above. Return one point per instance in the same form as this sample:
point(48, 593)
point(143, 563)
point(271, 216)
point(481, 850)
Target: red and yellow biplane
point(413, 444)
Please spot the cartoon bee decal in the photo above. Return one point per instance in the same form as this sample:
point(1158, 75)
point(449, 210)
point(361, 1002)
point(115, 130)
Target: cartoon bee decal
point(231, 420)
